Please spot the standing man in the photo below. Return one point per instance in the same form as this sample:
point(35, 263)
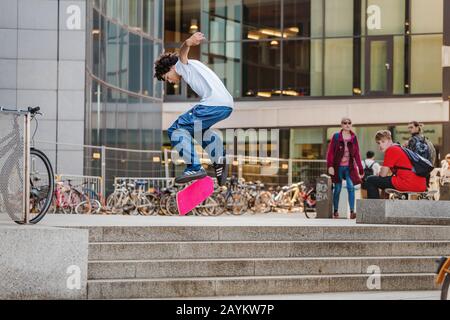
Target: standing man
point(216, 104)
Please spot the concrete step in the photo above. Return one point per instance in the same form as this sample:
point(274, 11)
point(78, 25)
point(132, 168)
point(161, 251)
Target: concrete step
point(149, 269)
point(263, 249)
point(266, 233)
point(241, 286)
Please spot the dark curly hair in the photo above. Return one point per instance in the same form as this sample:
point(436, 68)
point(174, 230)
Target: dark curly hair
point(164, 63)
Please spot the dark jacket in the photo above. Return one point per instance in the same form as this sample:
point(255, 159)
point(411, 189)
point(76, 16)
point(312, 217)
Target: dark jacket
point(335, 153)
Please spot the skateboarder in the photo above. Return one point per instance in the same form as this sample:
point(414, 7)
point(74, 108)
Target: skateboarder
point(396, 161)
point(216, 104)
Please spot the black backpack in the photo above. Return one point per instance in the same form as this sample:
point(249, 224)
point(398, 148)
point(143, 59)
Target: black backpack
point(421, 166)
point(423, 147)
point(368, 170)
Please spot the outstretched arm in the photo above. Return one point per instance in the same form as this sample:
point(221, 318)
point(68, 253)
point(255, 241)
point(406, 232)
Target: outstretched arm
point(193, 41)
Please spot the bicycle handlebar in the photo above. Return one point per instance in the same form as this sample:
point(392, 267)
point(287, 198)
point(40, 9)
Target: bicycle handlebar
point(29, 110)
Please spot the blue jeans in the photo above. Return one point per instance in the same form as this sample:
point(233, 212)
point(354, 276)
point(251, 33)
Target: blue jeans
point(193, 124)
point(344, 174)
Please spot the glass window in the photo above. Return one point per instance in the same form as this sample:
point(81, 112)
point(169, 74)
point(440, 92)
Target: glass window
point(134, 11)
point(102, 52)
point(316, 70)
point(123, 58)
point(225, 60)
point(399, 65)
point(148, 16)
point(317, 18)
point(221, 20)
point(385, 17)
point(366, 141)
point(112, 9)
point(306, 143)
point(261, 69)
point(147, 67)
point(297, 18)
point(96, 43)
point(432, 131)
point(427, 16)
point(338, 18)
point(182, 18)
point(112, 59)
point(134, 76)
point(338, 67)
point(261, 19)
point(159, 4)
point(158, 84)
point(296, 68)
point(426, 68)
point(125, 10)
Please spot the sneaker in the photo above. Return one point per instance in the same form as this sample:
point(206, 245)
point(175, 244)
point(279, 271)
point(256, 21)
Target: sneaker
point(221, 171)
point(189, 176)
point(336, 215)
point(352, 215)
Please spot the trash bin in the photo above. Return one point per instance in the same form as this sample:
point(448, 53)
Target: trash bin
point(324, 197)
point(444, 190)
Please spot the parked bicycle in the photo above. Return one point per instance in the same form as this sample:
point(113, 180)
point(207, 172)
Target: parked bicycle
point(443, 277)
point(41, 172)
point(130, 198)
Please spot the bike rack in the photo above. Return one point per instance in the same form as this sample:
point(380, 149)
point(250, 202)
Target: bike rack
point(26, 165)
point(26, 161)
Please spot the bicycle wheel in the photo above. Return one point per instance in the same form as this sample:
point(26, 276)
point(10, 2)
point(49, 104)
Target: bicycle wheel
point(41, 185)
point(112, 203)
point(163, 204)
point(72, 199)
point(237, 203)
point(88, 207)
point(207, 207)
point(143, 205)
point(445, 294)
point(263, 202)
point(154, 203)
point(171, 205)
point(221, 207)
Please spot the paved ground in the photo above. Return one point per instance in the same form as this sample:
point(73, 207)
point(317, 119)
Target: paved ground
point(379, 295)
point(272, 219)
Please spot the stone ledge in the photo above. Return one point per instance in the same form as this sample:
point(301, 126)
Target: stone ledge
point(35, 262)
point(417, 212)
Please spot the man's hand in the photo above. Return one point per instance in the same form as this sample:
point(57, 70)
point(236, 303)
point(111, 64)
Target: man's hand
point(195, 39)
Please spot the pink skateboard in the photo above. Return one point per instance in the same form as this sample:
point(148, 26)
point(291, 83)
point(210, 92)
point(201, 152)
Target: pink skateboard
point(194, 194)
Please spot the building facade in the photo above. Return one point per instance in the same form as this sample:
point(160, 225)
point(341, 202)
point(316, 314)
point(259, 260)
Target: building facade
point(42, 63)
point(89, 66)
point(301, 65)
point(123, 100)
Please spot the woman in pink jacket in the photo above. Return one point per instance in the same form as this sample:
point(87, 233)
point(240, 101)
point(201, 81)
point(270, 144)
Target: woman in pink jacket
point(344, 163)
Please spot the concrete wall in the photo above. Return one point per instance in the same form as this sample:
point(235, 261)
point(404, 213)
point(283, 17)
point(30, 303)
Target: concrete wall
point(43, 64)
point(43, 263)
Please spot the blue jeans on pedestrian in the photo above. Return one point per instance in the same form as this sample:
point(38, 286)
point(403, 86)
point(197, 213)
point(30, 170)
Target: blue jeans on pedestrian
point(200, 118)
point(344, 174)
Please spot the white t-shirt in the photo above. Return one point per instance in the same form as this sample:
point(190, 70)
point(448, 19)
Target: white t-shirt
point(205, 83)
point(376, 166)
